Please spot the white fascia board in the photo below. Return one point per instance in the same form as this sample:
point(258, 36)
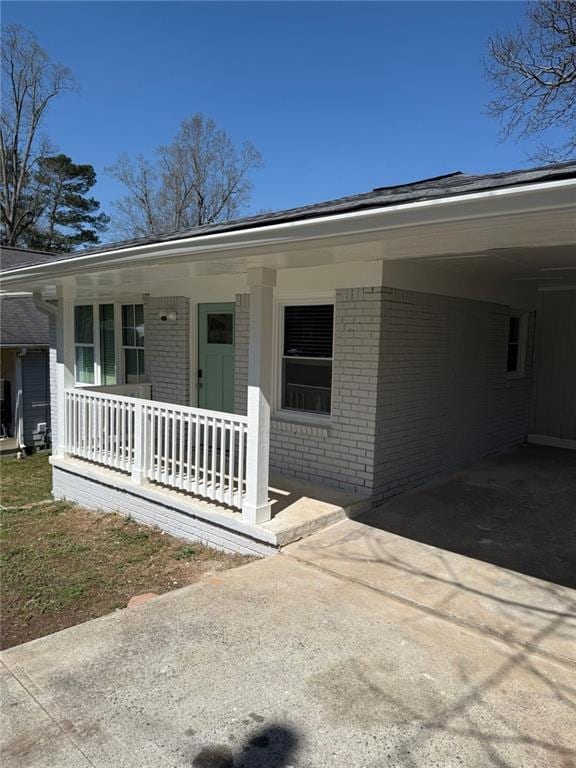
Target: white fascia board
point(502, 202)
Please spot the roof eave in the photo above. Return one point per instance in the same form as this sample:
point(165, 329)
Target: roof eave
point(502, 201)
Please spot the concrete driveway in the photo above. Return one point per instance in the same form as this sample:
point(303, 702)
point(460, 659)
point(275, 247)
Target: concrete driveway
point(282, 663)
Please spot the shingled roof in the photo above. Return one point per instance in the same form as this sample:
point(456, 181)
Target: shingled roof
point(12, 257)
point(446, 186)
point(21, 324)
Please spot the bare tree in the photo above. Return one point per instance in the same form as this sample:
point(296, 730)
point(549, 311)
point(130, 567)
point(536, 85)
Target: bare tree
point(534, 72)
point(30, 81)
point(200, 178)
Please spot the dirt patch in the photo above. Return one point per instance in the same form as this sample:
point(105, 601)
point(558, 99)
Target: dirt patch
point(61, 565)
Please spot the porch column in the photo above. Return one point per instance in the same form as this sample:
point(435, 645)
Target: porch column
point(64, 361)
point(256, 507)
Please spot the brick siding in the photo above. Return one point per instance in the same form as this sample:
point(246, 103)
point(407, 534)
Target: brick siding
point(167, 349)
point(444, 398)
point(419, 389)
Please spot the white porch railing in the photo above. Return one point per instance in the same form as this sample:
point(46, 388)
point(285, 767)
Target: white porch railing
point(195, 450)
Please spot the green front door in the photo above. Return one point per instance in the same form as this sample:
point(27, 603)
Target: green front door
point(216, 357)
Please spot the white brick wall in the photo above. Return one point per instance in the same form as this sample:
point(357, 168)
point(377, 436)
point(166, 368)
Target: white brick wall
point(444, 398)
point(419, 389)
point(341, 454)
point(106, 498)
point(167, 349)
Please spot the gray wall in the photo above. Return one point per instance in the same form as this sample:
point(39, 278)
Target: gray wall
point(167, 349)
point(342, 453)
point(444, 399)
point(554, 398)
point(419, 389)
point(36, 393)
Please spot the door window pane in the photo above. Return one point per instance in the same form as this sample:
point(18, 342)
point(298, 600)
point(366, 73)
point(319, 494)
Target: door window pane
point(220, 328)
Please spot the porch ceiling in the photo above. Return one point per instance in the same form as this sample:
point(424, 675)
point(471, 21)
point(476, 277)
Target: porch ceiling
point(543, 267)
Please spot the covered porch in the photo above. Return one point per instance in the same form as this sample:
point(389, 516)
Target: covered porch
point(183, 469)
point(194, 471)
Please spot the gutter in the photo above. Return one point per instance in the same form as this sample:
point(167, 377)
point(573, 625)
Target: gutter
point(558, 195)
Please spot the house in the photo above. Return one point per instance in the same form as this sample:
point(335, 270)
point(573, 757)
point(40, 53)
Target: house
point(244, 383)
point(24, 363)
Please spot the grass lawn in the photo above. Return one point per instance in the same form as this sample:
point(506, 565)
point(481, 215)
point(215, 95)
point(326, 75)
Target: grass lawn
point(61, 565)
point(23, 481)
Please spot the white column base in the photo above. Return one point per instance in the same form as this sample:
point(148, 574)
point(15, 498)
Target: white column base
point(256, 515)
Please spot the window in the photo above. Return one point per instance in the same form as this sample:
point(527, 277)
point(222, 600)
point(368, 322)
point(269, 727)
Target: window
point(107, 345)
point(307, 358)
point(220, 328)
point(84, 343)
point(516, 345)
point(133, 342)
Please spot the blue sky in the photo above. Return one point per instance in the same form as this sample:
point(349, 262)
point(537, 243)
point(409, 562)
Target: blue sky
point(338, 97)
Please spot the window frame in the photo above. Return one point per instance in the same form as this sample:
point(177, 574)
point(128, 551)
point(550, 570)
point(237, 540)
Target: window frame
point(94, 345)
point(124, 347)
point(291, 414)
point(522, 317)
point(118, 348)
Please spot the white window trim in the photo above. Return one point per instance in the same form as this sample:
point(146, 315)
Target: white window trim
point(520, 371)
point(118, 347)
point(287, 414)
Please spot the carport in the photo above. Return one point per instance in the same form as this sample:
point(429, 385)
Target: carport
point(492, 547)
point(547, 277)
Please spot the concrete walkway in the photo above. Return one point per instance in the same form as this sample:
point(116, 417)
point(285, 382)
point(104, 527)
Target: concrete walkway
point(280, 663)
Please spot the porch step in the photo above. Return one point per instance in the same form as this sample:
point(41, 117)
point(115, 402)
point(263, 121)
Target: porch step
point(300, 508)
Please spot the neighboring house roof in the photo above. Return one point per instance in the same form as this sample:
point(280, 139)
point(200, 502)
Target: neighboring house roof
point(447, 186)
point(12, 257)
point(21, 323)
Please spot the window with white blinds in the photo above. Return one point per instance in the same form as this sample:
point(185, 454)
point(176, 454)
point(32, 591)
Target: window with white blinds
point(307, 358)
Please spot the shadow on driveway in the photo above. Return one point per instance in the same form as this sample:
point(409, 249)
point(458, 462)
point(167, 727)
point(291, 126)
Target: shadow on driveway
point(517, 511)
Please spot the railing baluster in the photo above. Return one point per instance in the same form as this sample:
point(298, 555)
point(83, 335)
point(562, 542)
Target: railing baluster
point(231, 456)
point(181, 451)
point(189, 453)
point(222, 459)
point(206, 457)
point(196, 452)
